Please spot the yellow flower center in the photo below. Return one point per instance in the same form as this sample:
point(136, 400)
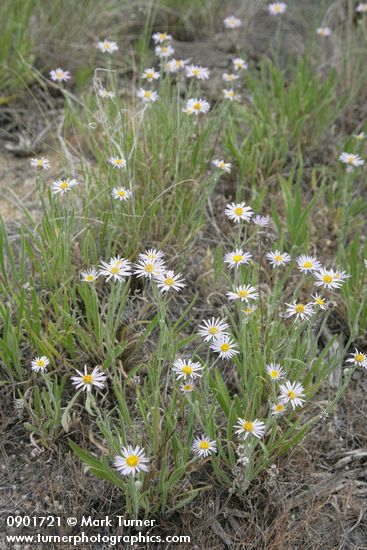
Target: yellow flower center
point(225, 347)
point(64, 185)
point(163, 35)
point(243, 293)
point(222, 165)
point(307, 264)
point(187, 387)
point(213, 330)
point(89, 278)
point(149, 268)
point(291, 394)
point(320, 301)
point(360, 357)
point(39, 162)
point(40, 363)
point(238, 211)
point(118, 161)
point(195, 72)
point(277, 8)
point(237, 258)
point(248, 310)
point(248, 426)
point(278, 258)
point(327, 279)
point(147, 93)
point(164, 49)
point(132, 461)
point(187, 370)
point(350, 159)
point(279, 407)
point(87, 379)
point(169, 281)
point(59, 74)
point(150, 74)
point(121, 194)
point(274, 373)
point(231, 93)
point(114, 269)
point(204, 445)
point(300, 308)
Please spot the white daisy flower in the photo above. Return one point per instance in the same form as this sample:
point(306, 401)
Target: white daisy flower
point(40, 363)
point(276, 8)
point(132, 461)
point(301, 311)
point(275, 371)
point(341, 275)
point(278, 258)
point(324, 31)
point(195, 71)
point(360, 136)
point(187, 369)
point(239, 63)
point(102, 92)
point(150, 74)
point(41, 163)
point(238, 211)
point(232, 22)
point(151, 254)
point(196, 106)
point(362, 7)
point(307, 263)
point(149, 268)
point(261, 221)
point(249, 310)
point(224, 166)
point(86, 381)
point(89, 275)
point(245, 427)
point(327, 278)
point(203, 446)
point(212, 329)
point(278, 408)
point(63, 186)
point(292, 392)
point(164, 51)
point(188, 386)
point(121, 193)
point(160, 37)
point(168, 280)
point(107, 46)
point(117, 269)
point(243, 293)
point(148, 96)
point(358, 358)
point(237, 258)
point(59, 75)
point(351, 159)
point(231, 95)
point(117, 162)
point(225, 346)
point(319, 301)
point(230, 77)
point(175, 65)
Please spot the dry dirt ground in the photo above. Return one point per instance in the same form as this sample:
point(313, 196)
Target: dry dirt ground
point(314, 498)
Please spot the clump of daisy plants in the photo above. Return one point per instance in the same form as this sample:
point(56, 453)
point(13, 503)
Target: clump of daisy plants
point(107, 332)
